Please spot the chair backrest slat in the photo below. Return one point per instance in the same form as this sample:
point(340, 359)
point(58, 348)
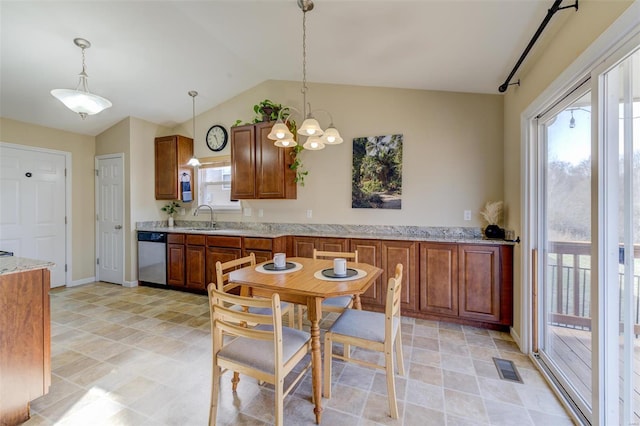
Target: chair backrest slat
point(322, 254)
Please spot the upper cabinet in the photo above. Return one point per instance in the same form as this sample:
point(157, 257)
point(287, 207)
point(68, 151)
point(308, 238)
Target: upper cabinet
point(172, 153)
point(259, 169)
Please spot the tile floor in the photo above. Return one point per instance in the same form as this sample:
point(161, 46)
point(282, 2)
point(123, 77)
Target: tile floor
point(140, 356)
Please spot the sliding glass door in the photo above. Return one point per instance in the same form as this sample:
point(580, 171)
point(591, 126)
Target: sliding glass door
point(565, 245)
point(621, 223)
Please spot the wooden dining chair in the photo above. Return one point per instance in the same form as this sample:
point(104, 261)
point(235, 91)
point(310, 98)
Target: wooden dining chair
point(222, 281)
point(371, 330)
point(339, 303)
point(267, 352)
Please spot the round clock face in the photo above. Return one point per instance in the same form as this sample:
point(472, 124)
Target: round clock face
point(217, 138)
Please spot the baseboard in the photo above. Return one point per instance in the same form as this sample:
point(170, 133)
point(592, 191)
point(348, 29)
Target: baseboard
point(130, 284)
point(516, 338)
point(82, 281)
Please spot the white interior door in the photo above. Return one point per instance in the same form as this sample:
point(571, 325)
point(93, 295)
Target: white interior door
point(110, 218)
point(33, 206)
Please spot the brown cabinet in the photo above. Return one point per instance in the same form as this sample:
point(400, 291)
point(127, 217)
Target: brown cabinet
point(221, 249)
point(176, 259)
point(25, 342)
point(405, 252)
point(195, 255)
point(303, 246)
point(470, 282)
point(370, 251)
point(263, 248)
point(259, 169)
point(439, 278)
point(172, 153)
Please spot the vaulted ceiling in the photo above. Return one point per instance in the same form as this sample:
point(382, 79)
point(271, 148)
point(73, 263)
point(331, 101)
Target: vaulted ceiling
point(146, 55)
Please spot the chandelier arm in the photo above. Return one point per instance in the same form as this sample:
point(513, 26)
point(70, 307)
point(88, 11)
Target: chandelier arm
point(329, 114)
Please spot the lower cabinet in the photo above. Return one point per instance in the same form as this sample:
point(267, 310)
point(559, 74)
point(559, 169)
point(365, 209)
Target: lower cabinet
point(176, 260)
point(469, 282)
point(405, 252)
point(195, 254)
point(221, 249)
point(303, 246)
point(370, 251)
point(264, 248)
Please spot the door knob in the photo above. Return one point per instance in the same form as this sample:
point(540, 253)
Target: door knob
point(118, 226)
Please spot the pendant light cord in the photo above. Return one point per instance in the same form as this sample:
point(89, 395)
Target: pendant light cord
point(304, 64)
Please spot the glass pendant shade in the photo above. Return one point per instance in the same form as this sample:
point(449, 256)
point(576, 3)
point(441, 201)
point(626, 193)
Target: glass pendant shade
point(194, 162)
point(314, 143)
point(80, 100)
point(286, 143)
point(83, 103)
point(332, 136)
point(310, 127)
point(280, 131)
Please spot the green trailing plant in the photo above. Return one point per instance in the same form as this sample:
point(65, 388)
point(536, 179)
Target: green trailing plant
point(171, 208)
point(297, 165)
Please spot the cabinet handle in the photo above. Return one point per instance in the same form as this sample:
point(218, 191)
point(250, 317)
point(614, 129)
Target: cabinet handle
point(118, 226)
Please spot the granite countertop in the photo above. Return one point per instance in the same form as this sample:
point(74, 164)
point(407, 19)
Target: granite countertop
point(382, 232)
point(13, 264)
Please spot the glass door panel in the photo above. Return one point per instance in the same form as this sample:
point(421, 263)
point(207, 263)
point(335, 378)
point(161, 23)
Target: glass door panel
point(565, 216)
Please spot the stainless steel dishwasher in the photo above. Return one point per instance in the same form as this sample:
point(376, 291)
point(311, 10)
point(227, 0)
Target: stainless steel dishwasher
point(152, 257)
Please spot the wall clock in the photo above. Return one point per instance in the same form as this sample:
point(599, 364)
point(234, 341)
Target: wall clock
point(217, 137)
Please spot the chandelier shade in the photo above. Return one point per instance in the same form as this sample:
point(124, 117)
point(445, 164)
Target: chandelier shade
point(313, 143)
point(280, 131)
point(81, 100)
point(331, 136)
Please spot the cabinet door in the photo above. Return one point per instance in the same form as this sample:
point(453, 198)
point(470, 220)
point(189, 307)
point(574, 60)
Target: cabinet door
point(219, 254)
point(479, 282)
point(438, 286)
point(332, 244)
point(369, 251)
point(405, 252)
point(270, 165)
point(303, 246)
point(166, 167)
point(261, 255)
point(243, 163)
point(175, 264)
point(195, 267)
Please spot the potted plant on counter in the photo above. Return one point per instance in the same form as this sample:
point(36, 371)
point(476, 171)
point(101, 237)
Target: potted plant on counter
point(171, 209)
point(492, 213)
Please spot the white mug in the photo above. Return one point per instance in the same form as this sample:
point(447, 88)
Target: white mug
point(340, 266)
point(280, 260)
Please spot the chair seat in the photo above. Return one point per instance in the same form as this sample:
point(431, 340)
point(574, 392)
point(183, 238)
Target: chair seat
point(259, 354)
point(363, 325)
point(338, 302)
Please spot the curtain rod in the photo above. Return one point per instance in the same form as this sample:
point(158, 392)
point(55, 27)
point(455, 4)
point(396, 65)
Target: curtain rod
point(554, 8)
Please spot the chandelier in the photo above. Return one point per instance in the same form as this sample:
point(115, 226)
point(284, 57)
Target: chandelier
point(317, 138)
point(80, 100)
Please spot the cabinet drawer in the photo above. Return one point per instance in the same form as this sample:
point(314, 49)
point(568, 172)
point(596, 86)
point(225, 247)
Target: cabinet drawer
point(251, 243)
point(175, 238)
point(219, 241)
point(196, 240)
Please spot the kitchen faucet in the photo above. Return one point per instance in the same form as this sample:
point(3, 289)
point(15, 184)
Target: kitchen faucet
point(212, 224)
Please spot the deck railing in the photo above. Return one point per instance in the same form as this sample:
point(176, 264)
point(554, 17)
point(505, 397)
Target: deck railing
point(569, 272)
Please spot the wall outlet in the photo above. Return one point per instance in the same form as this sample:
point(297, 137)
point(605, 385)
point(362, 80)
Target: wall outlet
point(467, 215)
point(309, 214)
point(247, 211)
point(260, 212)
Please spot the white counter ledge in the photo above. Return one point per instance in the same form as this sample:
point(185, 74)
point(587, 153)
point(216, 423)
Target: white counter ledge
point(13, 264)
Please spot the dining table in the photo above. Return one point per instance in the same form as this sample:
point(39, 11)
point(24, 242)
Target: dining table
point(305, 283)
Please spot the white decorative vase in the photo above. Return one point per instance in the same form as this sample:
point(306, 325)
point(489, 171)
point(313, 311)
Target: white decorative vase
point(170, 221)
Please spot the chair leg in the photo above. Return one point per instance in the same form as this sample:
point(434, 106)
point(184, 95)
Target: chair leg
point(346, 350)
point(328, 350)
point(215, 390)
point(300, 312)
point(399, 356)
point(279, 390)
point(235, 380)
point(391, 383)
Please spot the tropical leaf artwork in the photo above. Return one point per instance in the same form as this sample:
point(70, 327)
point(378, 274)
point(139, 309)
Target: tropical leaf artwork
point(377, 172)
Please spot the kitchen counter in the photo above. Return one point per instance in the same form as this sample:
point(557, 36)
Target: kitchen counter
point(381, 232)
point(13, 264)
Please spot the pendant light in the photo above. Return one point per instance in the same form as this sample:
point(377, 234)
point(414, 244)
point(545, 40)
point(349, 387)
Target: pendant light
point(80, 100)
point(194, 162)
point(317, 138)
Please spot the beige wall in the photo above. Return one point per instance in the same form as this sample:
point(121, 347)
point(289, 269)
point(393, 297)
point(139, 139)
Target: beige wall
point(452, 152)
point(82, 149)
point(577, 33)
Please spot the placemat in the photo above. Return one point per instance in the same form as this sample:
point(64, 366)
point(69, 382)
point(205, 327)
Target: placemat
point(297, 267)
